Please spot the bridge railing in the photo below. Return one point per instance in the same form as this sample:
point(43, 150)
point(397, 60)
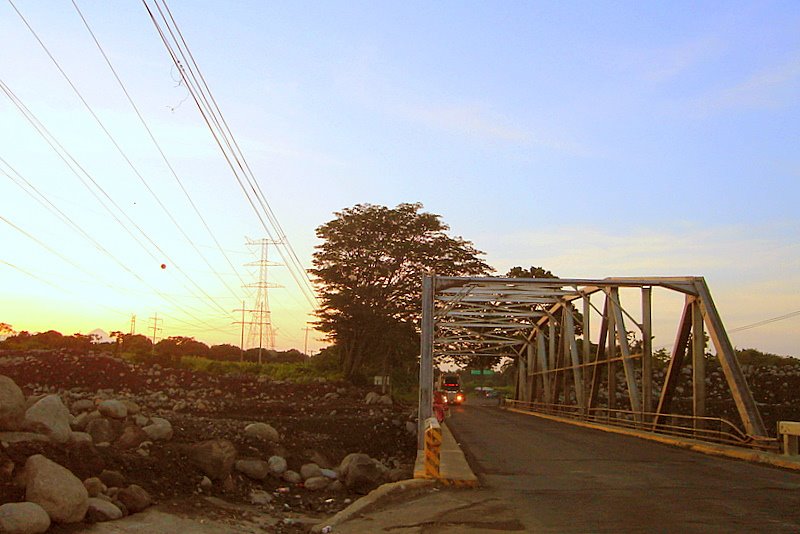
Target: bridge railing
point(711, 429)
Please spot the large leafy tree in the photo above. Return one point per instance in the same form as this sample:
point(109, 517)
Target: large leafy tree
point(369, 271)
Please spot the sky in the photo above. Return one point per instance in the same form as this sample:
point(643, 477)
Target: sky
point(593, 139)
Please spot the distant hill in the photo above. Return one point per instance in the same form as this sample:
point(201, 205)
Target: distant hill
point(102, 336)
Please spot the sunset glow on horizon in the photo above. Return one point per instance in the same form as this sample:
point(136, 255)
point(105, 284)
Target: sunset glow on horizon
point(592, 140)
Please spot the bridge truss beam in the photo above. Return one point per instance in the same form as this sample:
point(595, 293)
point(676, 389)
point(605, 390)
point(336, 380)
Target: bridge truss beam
point(568, 364)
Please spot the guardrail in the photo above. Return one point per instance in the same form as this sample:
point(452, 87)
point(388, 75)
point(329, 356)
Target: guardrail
point(712, 429)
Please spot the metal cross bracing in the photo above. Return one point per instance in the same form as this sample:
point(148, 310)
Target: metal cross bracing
point(577, 346)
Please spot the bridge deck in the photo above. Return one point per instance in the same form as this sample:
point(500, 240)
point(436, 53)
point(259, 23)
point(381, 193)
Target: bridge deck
point(558, 477)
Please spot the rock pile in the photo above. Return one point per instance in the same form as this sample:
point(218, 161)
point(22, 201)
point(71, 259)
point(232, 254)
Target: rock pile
point(53, 494)
point(173, 435)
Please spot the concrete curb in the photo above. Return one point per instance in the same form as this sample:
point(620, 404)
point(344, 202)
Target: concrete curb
point(373, 497)
point(712, 449)
point(455, 470)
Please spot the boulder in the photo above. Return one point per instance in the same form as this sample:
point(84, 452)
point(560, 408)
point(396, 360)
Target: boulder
point(135, 498)
point(329, 473)
point(262, 432)
point(310, 471)
point(94, 486)
point(159, 429)
point(345, 464)
point(113, 408)
point(102, 430)
point(112, 479)
point(292, 477)
point(362, 474)
point(277, 465)
point(23, 518)
point(385, 399)
point(255, 469)
point(215, 457)
point(317, 483)
point(12, 404)
point(80, 438)
point(100, 510)
point(81, 421)
point(131, 437)
point(133, 408)
point(397, 474)
point(258, 496)
point(82, 405)
point(122, 507)
point(56, 489)
point(33, 399)
point(320, 459)
point(21, 437)
point(50, 417)
point(371, 398)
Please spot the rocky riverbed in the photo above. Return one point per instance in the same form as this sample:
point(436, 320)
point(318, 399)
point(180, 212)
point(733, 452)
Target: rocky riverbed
point(118, 437)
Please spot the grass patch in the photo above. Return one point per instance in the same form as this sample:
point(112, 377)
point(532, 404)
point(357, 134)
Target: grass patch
point(300, 373)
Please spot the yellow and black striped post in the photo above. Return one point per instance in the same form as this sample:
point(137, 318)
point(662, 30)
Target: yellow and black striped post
point(433, 446)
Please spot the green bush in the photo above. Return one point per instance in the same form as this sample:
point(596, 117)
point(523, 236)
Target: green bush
point(290, 372)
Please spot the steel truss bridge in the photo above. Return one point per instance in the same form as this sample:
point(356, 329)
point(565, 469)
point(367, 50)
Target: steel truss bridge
point(571, 339)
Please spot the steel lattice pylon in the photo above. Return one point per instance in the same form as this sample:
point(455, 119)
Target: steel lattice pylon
point(261, 331)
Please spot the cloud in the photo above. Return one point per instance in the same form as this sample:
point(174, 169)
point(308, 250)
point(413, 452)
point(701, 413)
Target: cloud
point(370, 83)
point(775, 87)
point(667, 63)
point(753, 273)
point(465, 119)
point(683, 250)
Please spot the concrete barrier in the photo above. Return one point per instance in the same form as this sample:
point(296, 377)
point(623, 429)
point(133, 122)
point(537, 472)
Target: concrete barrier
point(790, 430)
point(433, 448)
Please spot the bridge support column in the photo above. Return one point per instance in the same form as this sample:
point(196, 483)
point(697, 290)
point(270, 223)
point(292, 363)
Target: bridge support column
point(647, 349)
point(426, 359)
point(433, 447)
point(698, 365)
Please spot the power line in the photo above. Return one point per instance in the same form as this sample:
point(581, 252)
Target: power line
point(156, 143)
point(128, 161)
point(59, 288)
point(40, 197)
point(765, 322)
point(85, 177)
point(223, 136)
point(16, 177)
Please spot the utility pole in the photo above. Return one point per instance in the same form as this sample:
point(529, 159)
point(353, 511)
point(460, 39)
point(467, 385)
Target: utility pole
point(155, 327)
point(250, 323)
point(242, 322)
point(133, 323)
point(305, 343)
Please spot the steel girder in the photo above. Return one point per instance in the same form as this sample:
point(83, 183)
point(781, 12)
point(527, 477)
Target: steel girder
point(536, 322)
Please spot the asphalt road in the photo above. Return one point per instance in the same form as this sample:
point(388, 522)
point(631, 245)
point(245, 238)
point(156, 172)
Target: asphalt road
point(556, 477)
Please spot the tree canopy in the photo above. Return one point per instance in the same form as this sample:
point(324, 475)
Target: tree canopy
point(369, 270)
point(532, 272)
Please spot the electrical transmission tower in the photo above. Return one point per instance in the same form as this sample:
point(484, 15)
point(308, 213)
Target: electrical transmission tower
point(261, 331)
point(155, 326)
